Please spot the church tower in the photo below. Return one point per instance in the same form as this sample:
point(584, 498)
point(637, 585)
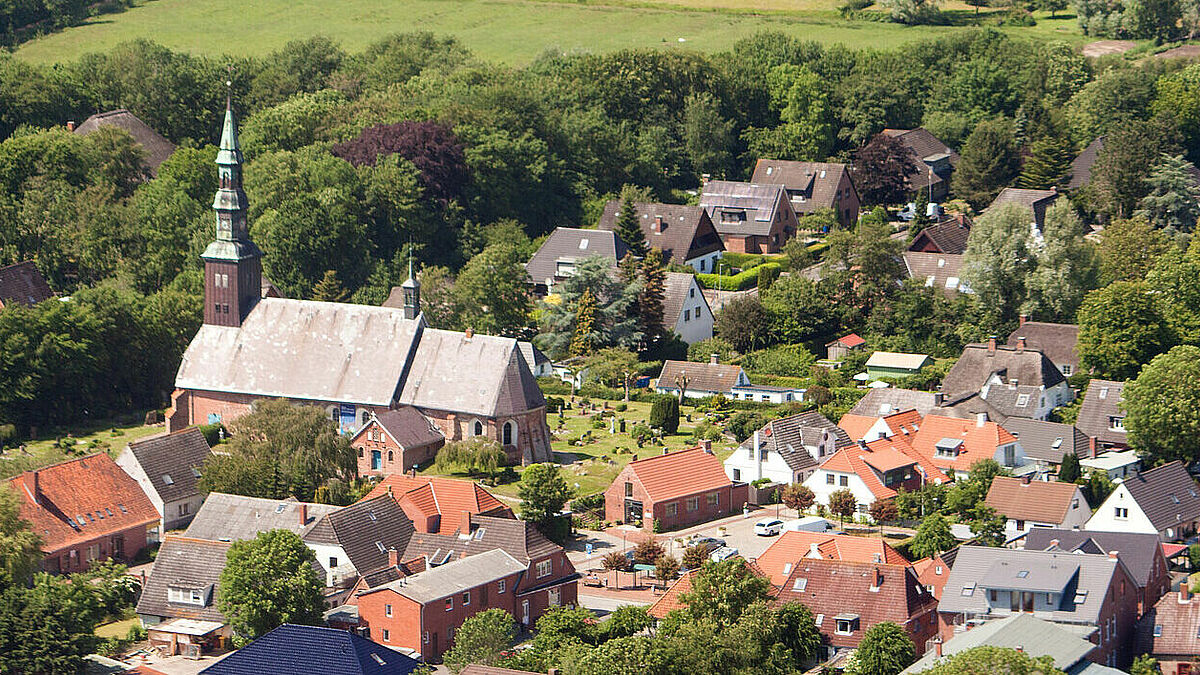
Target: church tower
point(232, 263)
point(412, 294)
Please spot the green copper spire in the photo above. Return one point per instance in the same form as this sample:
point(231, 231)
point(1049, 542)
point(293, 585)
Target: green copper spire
point(230, 203)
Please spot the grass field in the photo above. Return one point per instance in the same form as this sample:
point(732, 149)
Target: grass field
point(111, 436)
point(508, 31)
point(593, 466)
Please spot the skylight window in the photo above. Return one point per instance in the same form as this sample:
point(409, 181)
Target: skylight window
point(1103, 393)
point(123, 509)
point(108, 511)
point(1158, 630)
point(583, 244)
point(195, 472)
point(167, 479)
point(371, 515)
point(1022, 400)
point(379, 545)
point(81, 520)
point(280, 507)
point(800, 584)
point(1174, 499)
point(1080, 597)
point(787, 568)
point(1022, 574)
point(379, 659)
point(1057, 443)
point(968, 589)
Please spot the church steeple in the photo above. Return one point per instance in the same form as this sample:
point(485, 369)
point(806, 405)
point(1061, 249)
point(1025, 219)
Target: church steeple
point(412, 293)
point(232, 263)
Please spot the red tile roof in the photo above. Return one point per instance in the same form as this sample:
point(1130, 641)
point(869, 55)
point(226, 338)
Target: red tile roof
point(932, 573)
point(979, 441)
point(80, 500)
point(856, 426)
point(851, 341)
point(1038, 500)
point(782, 556)
point(671, 599)
point(678, 474)
point(448, 497)
point(905, 423)
point(883, 454)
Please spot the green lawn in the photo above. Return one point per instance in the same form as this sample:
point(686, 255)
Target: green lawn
point(117, 629)
point(110, 436)
point(509, 31)
point(593, 466)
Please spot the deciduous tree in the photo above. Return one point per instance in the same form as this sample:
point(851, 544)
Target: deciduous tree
point(1129, 249)
point(481, 640)
point(543, 492)
point(881, 169)
point(1162, 410)
point(1121, 326)
point(994, 660)
point(843, 504)
point(742, 323)
point(797, 496)
point(254, 602)
point(20, 546)
point(932, 537)
point(721, 591)
point(492, 294)
point(886, 649)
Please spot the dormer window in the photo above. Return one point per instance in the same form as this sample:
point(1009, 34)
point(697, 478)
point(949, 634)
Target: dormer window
point(186, 596)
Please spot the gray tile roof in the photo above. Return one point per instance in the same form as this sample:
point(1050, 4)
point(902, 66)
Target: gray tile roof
point(1081, 166)
point(923, 145)
point(758, 205)
point(1013, 401)
point(532, 355)
point(1055, 340)
point(480, 374)
point(675, 297)
point(713, 377)
point(1138, 551)
point(816, 181)
point(949, 237)
point(1101, 402)
point(1077, 573)
point(1047, 441)
point(518, 538)
point(365, 530)
point(883, 402)
point(408, 427)
point(1034, 636)
point(186, 563)
point(173, 462)
point(570, 244)
point(365, 349)
point(226, 517)
point(1036, 201)
point(790, 436)
point(941, 271)
point(976, 366)
point(455, 576)
point(968, 407)
point(375, 352)
point(1167, 494)
point(157, 148)
point(686, 231)
point(23, 284)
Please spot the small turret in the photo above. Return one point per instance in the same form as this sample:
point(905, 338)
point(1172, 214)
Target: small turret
point(411, 289)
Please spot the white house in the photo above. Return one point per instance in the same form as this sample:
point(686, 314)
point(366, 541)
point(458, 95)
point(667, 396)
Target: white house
point(872, 471)
point(1027, 504)
point(786, 450)
point(539, 363)
point(685, 311)
point(764, 393)
point(1163, 501)
point(168, 468)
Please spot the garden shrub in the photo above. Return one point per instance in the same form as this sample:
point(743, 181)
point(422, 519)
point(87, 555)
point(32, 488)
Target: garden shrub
point(788, 360)
point(664, 414)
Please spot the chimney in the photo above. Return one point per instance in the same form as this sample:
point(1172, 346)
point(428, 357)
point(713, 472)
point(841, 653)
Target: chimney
point(1020, 649)
point(1020, 343)
point(1112, 554)
point(939, 398)
point(1022, 319)
point(714, 358)
point(707, 445)
point(814, 551)
point(991, 345)
point(704, 178)
point(665, 451)
point(862, 443)
point(980, 419)
point(393, 558)
point(1026, 479)
point(553, 671)
point(1185, 593)
point(464, 523)
point(937, 648)
point(470, 332)
point(37, 488)
point(303, 514)
point(1053, 543)
point(657, 227)
point(70, 125)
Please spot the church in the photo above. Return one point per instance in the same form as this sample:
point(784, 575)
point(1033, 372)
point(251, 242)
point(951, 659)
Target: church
point(350, 360)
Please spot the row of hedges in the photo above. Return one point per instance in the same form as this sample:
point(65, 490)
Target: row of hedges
point(740, 281)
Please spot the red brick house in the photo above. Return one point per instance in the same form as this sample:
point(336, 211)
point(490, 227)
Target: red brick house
point(85, 509)
point(674, 489)
point(812, 186)
point(394, 441)
point(1169, 632)
point(847, 598)
point(445, 579)
point(750, 218)
point(436, 505)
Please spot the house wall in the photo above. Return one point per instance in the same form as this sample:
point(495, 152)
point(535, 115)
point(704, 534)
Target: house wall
point(1076, 517)
point(695, 320)
point(394, 458)
point(74, 558)
point(178, 513)
point(848, 206)
point(533, 436)
point(134, 470)
point(335, 574)
point(704, 263)
point(765, 396)
point(744, 466)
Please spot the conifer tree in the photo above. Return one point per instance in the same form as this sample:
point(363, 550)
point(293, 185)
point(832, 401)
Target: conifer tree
point(329, 289)
point(1172, 201)
point(650, 300)
point(585, 324)
point(1048, 165)
point(628, 228)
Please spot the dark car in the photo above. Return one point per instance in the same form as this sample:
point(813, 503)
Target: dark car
point(710, 544)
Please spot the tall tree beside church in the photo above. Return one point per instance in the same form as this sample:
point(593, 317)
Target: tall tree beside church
point(650, 300)
point(585, 324)
point(628, 228)
point(329, 289)
point(614, 318)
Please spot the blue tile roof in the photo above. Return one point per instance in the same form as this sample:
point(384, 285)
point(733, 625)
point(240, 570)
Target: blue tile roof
point(302, 650)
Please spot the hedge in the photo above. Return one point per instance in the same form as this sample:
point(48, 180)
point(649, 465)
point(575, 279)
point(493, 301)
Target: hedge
point(737, 282)
point(741, 260)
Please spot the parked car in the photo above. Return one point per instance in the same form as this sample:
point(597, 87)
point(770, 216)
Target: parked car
point(768, 527)
point(723, 553)
point(710, 544)
point(809, 524)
